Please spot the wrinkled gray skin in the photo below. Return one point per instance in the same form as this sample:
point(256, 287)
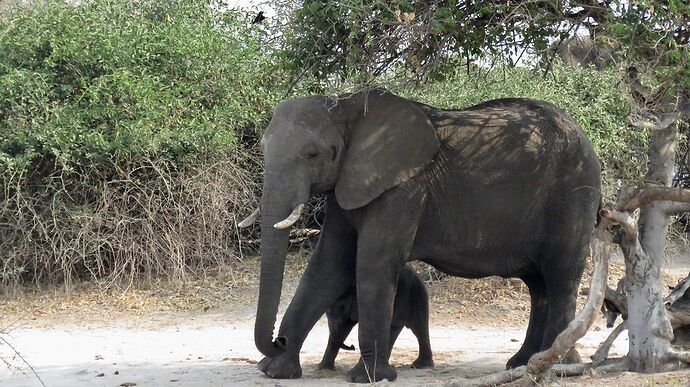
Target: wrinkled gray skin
point(410, 309)
point(509, 188)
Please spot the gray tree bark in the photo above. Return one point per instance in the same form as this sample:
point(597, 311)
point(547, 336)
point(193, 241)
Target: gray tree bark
point(649, 330)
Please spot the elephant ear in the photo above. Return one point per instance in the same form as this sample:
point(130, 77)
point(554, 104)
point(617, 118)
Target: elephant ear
point(390, 140)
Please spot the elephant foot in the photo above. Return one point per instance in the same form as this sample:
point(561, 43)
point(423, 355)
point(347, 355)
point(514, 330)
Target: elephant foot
point(359, 374)
point(281, 367)
point(572, 357)
point(325, 365)
point(422, 363)
point(519, 359)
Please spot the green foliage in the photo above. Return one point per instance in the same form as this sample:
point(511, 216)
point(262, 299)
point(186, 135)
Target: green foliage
point(119, 129)
point(654, 35)
point(366, 39)
point(594, 98)
point(111, 80)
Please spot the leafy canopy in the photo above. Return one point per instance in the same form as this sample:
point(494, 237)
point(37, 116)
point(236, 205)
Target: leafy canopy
point(367, 39)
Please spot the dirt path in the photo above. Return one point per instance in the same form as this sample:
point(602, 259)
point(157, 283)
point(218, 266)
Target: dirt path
point(213, 350)
point(202, 335)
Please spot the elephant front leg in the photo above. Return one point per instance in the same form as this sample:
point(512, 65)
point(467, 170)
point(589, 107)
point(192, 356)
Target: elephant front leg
point(386, 237)
point(376, 286)
point(321, 285)
point(328, 276)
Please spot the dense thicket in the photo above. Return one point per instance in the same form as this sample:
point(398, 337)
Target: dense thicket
point(126, 130)
point(119, 125)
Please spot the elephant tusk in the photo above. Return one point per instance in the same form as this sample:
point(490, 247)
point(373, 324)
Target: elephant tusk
point(290, 220)
point(248, 221)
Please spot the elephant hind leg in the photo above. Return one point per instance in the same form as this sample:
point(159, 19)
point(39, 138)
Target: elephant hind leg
point(561, 297)
point(561, 290)
point(537, 321)
point(563, 255)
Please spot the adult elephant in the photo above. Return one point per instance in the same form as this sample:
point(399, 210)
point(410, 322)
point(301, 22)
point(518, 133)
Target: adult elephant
point(509, 187)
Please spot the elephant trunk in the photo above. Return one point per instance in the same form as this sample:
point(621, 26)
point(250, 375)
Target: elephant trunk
point(274, 245)
point(276, 206)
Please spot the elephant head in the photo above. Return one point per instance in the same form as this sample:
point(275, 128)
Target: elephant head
point(358, 145)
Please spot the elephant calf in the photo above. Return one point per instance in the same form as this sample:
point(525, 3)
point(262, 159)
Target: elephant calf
point(410, 309)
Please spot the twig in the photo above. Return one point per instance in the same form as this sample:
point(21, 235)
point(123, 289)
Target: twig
point(23, 360)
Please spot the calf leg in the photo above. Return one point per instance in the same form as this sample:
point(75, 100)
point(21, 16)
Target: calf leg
point(419, 325)
point(395, 332)
point(340, 327)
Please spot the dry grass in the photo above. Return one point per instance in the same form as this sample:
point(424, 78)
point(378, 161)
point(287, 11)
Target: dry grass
point(493, 301)
point(150, 222)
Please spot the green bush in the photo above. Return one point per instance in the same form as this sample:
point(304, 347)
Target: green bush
point(110, 80)
point(596, 99)
point(119, 128)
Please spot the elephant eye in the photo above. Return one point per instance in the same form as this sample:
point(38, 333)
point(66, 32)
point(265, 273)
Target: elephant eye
point(312, 154)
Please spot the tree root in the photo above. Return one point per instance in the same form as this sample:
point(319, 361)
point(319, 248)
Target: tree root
point(622, 364)
point(681, 356)
point(559, 370)
point(495, 379)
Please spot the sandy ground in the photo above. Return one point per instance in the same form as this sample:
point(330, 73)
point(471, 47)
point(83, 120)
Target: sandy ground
point(92, 338)
point(214, 350)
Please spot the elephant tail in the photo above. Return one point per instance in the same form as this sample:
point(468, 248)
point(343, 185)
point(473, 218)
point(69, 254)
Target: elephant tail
point(347, 347)
point(601, 203)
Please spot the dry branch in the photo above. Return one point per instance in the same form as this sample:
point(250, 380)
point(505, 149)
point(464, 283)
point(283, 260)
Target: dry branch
point(19, 355)
point(654, 122)
point(642, 196)
point(678, 291)
point(615, 365)
point(602, 352)
point(624, 220)
point(495, 379)
point(673, 208)
point(616, 298)
point(514, 374)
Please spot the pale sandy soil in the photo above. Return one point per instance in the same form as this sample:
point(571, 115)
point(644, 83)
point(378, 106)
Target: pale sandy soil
point(202, 335)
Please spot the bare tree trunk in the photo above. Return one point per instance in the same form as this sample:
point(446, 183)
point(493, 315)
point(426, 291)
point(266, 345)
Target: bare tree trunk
point(649, 330)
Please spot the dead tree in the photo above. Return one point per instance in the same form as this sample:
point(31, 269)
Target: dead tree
point(677, 306)
point(649, 329)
